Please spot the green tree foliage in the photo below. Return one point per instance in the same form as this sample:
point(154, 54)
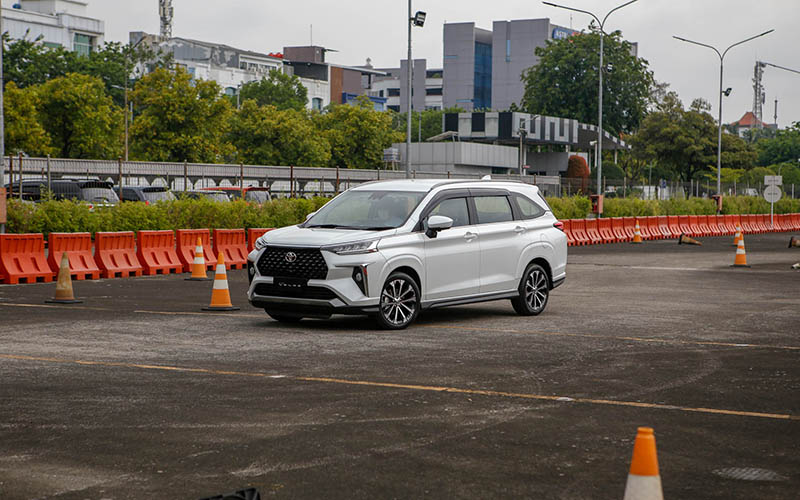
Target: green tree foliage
point(430, 119)
point(684, 143)
point(277, 89)
point(29, 62)
point(24, 133)
point(784, 147)
point(265, 135)
point(179, 119)
point(81, 120)
point(565, 81)
point(357, 134)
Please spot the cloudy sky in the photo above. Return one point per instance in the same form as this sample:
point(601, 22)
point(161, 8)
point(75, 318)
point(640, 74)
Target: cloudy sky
point(376, 29)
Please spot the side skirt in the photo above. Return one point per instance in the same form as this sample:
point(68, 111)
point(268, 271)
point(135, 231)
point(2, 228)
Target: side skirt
point(433, 304)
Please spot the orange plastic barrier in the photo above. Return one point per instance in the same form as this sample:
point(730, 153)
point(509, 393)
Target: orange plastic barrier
point(702, 225)
point(186, 243)
point(629, 223)
point(618, 228)
point(796, 222)
point(684, 224)
point(763, 223)
point(713, 223)
point(79, 251)
point(567, 232)
point(731, 222)
point(579, 231)
point(115, 254)
point(255, 233)
point(233, 244)
point(744, 220)
point(653, 229)
point(674, 226)
point(782, 222)
point(694, 226)
point(663, 227)
point(604, 228)
point(592, 232)
point(156, 252)
point(22, 259)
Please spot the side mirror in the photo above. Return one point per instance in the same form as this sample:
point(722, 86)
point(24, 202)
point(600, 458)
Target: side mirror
point(438, 223)
point(310, 215)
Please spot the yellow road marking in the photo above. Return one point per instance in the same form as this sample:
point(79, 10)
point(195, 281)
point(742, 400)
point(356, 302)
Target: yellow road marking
point(444, 389)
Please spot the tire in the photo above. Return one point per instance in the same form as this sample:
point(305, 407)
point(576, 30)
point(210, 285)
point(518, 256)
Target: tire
point(399, 303)
point(534, 291)
point(283, 318)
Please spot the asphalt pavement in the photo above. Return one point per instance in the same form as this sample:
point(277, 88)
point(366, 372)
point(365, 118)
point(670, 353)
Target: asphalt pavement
point(136, 393)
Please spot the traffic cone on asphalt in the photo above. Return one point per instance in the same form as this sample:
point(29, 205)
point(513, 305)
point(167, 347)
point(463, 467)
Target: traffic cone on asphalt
point(220, 296)
point(64, 293)
point(637, 233)
point(794, 242)
point(644, 481)
point(738, 235)
point(741, 255)
point(685, 240)
point(199, 264)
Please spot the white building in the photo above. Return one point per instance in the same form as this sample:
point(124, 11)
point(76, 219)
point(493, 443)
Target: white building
point(59, 23)
point(427, 87)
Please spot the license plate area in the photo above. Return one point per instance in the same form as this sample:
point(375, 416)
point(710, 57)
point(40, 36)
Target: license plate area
point(291, 286)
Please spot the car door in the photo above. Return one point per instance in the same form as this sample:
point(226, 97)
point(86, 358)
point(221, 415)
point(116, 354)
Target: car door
point(501, 241)
point(452, 258)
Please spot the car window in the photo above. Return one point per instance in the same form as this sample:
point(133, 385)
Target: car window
point(99, 195)
point(455, 208)
point(154, 196)
point(529, 209)
point(363, 209)
point(493, 209)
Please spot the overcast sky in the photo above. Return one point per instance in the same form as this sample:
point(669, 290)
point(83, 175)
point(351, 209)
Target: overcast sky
point(376, 29)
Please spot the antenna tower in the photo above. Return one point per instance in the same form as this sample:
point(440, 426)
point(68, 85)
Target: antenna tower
point(165, 12)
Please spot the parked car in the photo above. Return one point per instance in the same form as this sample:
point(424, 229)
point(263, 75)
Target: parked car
point(255, 194)
point(219, 196)
point(394, 248)
point(146, 194)
point(97, 193)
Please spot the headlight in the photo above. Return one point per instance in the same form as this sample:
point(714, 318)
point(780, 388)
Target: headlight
point(260, 243)
point(368, 246)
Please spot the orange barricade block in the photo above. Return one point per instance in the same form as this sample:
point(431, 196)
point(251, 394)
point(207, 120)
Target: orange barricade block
point(233, 244)
point(618, 228)
point(745, 222)
point(731, 223)
point(629, 225)
point(663, 227)
point(79, 252)
point(713, 223)
point(694, 226)
point(22, 259)
point(156, 252)
point(255, 233)
point(702, 225)
point(115, 254)
point(645, 234)
point(683, 223)
point(652, 228)
point(186, 243)
point(674, 226)
point(567, 233)
point(762, 221)
point(579, 231)
point(604, 228)
point(592, 232)
point(786, 222)
point(796, 222)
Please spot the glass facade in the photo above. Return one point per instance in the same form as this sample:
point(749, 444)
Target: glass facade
point(482, 97)
point(82, 44)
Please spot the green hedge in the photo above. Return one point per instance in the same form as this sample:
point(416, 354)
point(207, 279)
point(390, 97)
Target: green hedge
point(71, 216)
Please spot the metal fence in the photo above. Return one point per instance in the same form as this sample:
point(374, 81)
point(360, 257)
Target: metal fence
point(668, 189)
point(282, 181)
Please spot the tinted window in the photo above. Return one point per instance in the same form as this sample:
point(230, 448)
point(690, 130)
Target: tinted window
point(154, 196)
point(456, 209)
point(493, 209)
point(99, 195)
point(529, 209)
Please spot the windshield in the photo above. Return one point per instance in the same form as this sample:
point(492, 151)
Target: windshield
point(372, 210)
point(217, 196)
point(99, 195)
point(154, 196)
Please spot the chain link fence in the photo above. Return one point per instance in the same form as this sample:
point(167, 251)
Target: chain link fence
point(663, 189)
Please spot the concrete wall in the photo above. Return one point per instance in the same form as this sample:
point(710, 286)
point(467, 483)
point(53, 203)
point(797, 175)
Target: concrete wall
point(460, 157)
point(459, 65)
point(548, 163)
point(513, 46)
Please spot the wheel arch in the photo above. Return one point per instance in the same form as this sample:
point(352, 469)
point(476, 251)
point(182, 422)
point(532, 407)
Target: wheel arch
point(547, 269)
point(409, 271)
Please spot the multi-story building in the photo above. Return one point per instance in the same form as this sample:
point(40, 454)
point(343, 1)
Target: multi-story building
point(55, 23)
point(426, 87)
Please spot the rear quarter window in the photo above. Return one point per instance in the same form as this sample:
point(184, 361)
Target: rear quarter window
point(528, 208)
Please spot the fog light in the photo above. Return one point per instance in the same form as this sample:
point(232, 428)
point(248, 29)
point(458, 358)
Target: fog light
point(360, 277)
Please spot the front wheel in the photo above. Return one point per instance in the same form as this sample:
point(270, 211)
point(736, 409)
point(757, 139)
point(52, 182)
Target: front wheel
point(534, 290)
point(400, 302)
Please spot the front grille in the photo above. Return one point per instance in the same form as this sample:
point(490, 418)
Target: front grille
point(305, 292)
point(308, 264)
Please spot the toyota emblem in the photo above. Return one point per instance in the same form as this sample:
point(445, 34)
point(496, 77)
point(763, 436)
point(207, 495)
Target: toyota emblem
point(290, 257)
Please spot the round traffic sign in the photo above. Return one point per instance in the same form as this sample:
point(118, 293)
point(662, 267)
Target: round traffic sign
point(772, 193)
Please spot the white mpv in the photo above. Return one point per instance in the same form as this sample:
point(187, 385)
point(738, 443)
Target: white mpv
point(391, 249)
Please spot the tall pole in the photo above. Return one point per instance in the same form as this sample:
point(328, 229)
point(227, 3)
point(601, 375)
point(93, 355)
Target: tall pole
point(126, 119)
point(2, 126)
point(408, 95)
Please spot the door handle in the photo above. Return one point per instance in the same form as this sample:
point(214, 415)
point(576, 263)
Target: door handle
point(470, 236)
point(519, 229)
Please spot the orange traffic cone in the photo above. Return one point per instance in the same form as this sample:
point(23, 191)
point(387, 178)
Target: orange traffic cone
point(64, 293)
point(794, 242)
point(637, 233)
point(199, 264)
point(685, 240)
point(738, 235)
point(220, 296)
point(741, 255)
point(644, 481)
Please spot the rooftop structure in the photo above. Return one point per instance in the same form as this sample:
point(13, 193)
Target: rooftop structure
point(57, 23)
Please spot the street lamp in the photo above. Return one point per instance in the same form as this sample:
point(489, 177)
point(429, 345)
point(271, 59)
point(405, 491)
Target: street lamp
point(721, 92)
point(417, 20)
point(2, 130)
point(600, 104)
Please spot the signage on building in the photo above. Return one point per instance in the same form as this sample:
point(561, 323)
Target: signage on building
point(562, 33)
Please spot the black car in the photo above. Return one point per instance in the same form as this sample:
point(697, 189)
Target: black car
point(146, 194)
point(36, 189)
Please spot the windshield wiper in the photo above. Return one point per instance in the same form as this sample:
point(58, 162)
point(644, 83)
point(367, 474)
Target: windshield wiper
point(331, 226)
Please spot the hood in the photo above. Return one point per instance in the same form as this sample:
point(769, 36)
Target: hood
point(317, 237)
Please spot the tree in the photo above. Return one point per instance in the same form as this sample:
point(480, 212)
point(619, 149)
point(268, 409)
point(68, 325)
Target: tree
point(29, 62)
point(269, 136)
point(784, 147)
point(578, 172)
point(79, 117)
point(277, 89)
point(179, 119)
point(564, 82)
point(24, 133)
point(358, 134)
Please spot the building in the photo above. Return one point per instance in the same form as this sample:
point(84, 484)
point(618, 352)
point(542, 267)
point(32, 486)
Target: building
point(427, 86)
point(748, 122)
point(59, 23)
point(467, 66)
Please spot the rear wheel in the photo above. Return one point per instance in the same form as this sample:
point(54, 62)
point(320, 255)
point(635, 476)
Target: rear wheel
point(400, 302)
point(534, 290)
point(283, 317)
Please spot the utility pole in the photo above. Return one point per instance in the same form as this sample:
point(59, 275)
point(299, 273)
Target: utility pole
point(2, 133)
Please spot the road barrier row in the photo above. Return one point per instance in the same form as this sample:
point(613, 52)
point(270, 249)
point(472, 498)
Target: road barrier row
point(621, 229)
point(119, 254)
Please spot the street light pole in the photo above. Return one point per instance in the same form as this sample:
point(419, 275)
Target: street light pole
point(409, 20)
point(600, 91)
point(2, 126)
point(719, 125)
